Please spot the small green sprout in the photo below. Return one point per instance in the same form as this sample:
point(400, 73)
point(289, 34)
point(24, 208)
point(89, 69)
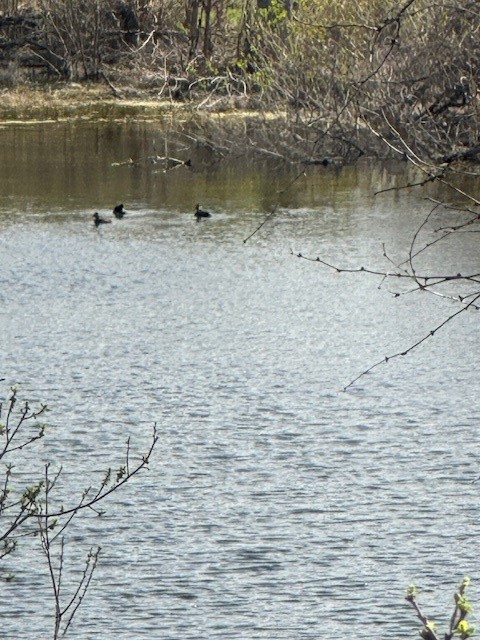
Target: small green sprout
point(463, 603)
point(465, 629)
point(412, 591)
point(459, 626)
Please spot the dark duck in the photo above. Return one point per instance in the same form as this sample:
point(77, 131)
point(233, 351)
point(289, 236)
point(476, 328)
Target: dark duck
point(119, 211)
point(98, 220)
point(200, 213)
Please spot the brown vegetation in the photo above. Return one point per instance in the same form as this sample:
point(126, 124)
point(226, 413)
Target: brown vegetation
point(346, 78)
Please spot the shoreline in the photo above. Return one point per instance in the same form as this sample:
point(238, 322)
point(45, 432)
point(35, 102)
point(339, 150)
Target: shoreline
point(36, 104)
point(218, 120)
point(74, 101)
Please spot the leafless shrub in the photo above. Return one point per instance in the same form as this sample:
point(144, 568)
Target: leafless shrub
point(33, 508)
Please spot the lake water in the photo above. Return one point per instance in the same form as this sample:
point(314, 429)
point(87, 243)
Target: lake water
point(277, 506)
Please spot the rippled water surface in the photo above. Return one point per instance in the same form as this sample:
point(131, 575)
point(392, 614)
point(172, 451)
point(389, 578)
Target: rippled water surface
point(276, 505)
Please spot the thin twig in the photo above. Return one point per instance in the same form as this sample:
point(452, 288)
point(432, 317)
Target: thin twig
point(275, 207)
point(430, 334)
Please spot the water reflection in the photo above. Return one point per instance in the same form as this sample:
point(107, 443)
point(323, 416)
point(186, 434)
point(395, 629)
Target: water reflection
point(276, 505)
point(59, 166)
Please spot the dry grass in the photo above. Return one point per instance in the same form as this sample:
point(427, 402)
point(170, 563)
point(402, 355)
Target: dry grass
point(26, 103)
point(71, 101)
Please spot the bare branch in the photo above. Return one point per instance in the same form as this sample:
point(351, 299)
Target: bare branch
point(413, 346)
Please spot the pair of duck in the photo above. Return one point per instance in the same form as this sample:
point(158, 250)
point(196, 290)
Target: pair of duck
point(118, 212)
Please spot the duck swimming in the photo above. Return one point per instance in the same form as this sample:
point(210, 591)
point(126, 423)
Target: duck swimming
point(119, 211)
point(200, 213)
point(98, 220)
